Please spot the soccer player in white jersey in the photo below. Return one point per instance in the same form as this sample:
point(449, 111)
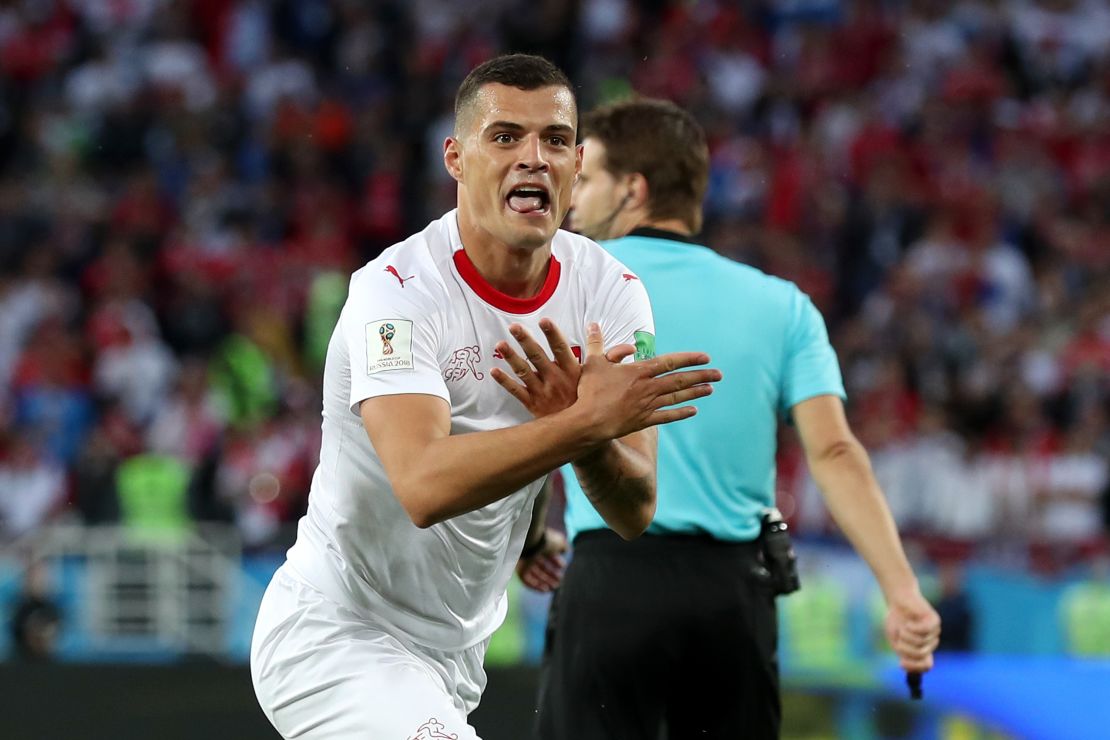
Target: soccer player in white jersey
point(376, 625)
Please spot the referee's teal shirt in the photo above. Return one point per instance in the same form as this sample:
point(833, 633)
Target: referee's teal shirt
point(717, 470)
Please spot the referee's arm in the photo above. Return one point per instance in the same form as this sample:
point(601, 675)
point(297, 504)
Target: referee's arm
point(842, 470)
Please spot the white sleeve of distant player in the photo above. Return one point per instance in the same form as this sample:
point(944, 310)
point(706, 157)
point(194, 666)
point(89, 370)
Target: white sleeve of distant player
point(393, 336)
point(627, 319)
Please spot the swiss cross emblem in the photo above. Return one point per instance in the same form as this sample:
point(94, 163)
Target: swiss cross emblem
point(433, 729)
point(464, 361)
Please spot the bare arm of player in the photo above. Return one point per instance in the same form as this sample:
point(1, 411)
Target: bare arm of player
point(619, 480)
point(436, 475)
point(618, 477)
point(842, 470)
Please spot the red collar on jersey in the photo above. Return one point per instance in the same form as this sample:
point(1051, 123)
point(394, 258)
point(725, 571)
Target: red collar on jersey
point(495, 297)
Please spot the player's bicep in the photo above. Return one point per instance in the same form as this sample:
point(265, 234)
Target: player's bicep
point(626, 318)
point(401, 427)
point(392, 339)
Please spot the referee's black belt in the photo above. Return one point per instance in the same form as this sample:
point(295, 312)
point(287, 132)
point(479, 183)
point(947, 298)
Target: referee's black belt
point(608, 542)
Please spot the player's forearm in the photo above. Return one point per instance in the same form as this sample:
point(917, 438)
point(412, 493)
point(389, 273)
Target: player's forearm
point(844, 475)
point(463, 472)
point(619, 481)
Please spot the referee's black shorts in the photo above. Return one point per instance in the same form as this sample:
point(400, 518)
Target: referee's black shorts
point(662, 637)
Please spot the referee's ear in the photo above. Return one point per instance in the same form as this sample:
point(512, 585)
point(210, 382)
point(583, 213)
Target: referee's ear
point(639, 191)
point(452, 158)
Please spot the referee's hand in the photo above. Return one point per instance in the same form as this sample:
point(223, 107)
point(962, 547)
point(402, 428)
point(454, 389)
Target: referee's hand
point(543, 571)
point(913, 629)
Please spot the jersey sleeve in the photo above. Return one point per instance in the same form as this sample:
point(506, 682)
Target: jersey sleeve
point(393, 336)
point(627, 318)
point(811, 368)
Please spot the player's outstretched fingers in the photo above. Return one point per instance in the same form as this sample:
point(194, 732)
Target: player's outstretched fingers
point(560, 347)
point(595, 345)
point(670, 415)
point(518, 391)
point(673, 361)
point(532, 349)
point(687, 394)
point(621, 351)
point(687, 378)
point(521, 368)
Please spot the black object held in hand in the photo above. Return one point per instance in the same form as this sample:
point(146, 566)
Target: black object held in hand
point(913, 681)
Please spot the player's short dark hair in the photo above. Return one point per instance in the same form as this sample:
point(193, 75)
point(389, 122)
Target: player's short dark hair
point(662, 142)
point(522, 71)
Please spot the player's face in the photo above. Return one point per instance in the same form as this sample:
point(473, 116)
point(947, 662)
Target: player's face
point(517, 161)
point(597, 194)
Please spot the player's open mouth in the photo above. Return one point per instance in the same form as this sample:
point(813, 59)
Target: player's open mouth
point(529, 199)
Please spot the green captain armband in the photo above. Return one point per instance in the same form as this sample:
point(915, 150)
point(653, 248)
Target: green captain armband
point(645, 345)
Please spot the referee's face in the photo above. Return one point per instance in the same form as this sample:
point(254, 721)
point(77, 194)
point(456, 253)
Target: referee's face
point(515, 161)
point(599, 196)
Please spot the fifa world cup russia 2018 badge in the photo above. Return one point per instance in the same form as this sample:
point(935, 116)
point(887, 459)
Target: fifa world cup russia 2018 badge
point(386, 333)
point(388, 345)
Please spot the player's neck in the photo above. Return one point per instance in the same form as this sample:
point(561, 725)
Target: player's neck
point(515, 271)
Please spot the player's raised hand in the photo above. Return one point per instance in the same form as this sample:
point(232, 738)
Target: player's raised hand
point(913, 629)
point(625, 398)
point(547, 384)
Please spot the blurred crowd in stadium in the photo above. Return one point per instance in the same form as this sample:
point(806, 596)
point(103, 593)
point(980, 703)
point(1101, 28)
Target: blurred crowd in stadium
point(186, 186)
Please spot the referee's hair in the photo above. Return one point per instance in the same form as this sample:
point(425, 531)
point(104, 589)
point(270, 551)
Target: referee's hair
point(662, 142)
point(522, 71)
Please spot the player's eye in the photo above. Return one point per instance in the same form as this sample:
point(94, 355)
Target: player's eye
point(503, 138)
point(557, 141)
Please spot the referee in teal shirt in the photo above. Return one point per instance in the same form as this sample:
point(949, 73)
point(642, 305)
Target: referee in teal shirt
point(673, 635)
point(773, 342)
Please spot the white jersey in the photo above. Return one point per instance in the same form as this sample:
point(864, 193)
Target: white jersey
point(420, 319)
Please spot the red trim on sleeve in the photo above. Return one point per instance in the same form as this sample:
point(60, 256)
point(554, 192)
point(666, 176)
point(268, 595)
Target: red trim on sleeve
point(495, 297)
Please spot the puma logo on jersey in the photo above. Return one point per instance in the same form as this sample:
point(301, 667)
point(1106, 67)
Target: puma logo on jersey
point(393, 271)
point(463, 362)
point(433, 729)
point(628, 277)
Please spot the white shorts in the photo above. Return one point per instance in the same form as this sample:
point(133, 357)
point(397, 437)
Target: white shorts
point(323, 673)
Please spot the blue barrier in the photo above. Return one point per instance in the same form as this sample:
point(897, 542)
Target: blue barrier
point(1039, 694)
point(1032, 697)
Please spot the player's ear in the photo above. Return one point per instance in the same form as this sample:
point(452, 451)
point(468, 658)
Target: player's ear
point(578, 161)
point(452, 158)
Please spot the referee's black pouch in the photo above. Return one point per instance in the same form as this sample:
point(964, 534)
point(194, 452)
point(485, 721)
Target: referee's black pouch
point(777, 553)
